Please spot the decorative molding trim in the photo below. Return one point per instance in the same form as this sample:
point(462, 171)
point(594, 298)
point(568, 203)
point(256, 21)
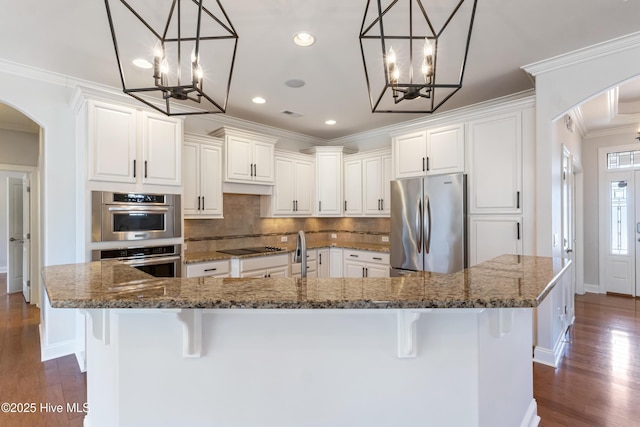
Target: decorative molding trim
point(191, 320)
point(502, 321)
point(591, 288)
point(408, 332)
point(100, 325)
point(551, 357)
point(531, 418)
point(620, 130)
point(579, 121)
point(48, 352)
point(606, 48)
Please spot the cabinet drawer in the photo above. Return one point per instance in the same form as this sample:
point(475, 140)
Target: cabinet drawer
point(366, 256)
point(264, 262)
point(213, 268)
point(311, 255)
point(311, 266)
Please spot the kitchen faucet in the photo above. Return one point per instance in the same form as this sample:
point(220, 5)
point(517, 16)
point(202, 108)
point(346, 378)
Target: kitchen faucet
point(301, 253)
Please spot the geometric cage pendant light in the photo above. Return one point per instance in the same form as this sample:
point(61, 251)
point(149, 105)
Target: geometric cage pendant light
point(414, 59)
point(175, 56)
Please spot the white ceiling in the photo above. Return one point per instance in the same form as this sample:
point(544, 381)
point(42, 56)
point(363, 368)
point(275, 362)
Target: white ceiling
point(72, 37)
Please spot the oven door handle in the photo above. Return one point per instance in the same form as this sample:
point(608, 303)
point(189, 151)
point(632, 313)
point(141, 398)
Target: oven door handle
point(138, 209)
point(150, 261)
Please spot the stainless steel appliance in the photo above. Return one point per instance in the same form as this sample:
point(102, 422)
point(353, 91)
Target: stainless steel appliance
point(428, 224)
point(301, 253)
point(158, 261)
point(134, 216)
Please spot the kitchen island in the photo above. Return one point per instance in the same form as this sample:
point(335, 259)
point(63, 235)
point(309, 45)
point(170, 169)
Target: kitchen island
point(429, 349)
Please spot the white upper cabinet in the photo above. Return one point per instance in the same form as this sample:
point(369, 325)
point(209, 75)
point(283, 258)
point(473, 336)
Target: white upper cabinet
point(367, 179)
point(294, 187)
point(445, 150)
point(329, 179)
point(202, 177)
point(161, 147)
point(430, 152)
point(495, 164)
point(377, 186)
point(494, 235)
point(249, 157)
point(353, 187)
point(112, 142)
point(130, 146)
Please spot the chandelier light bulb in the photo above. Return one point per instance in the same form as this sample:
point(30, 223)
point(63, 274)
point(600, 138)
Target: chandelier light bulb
point(158, 51)
point(426, 68)
point(195, 59)
point(428, 47)
point(391, 57)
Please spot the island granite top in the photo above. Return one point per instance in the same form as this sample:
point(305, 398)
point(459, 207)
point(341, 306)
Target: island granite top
point(505, 281)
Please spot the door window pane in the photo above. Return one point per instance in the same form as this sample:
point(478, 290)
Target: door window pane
point(623, 159)
point(619, 212)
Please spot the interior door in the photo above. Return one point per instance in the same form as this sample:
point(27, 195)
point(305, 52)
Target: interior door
point(26, 238)
point(14, 219)
point(619, 256)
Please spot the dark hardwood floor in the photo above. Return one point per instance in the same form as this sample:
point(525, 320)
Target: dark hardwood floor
point(27, 382)
point(597, 384)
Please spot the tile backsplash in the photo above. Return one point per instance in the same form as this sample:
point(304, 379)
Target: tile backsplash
point(243, 226)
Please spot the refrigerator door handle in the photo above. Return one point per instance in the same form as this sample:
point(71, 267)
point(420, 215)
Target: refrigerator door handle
point(419, 226)
point(427, 226)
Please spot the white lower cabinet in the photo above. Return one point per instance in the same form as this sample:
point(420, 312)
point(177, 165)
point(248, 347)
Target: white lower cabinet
point(312, 265)
point(324, 263)
point(265, 266)
point(365, 264)
point(336, 259)
point(492, 236)
point(208, 269)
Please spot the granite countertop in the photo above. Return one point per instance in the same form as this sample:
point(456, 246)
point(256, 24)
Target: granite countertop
point(194, 257)
point(505, 281)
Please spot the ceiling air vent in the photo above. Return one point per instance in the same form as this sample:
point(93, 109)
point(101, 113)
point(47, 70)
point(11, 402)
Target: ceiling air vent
point(291, 113)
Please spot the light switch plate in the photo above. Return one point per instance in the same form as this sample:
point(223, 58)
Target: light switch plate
point(385, 239)
point(334, 236)
point(283, 239)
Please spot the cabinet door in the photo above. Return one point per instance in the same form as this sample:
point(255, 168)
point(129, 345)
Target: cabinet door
point(284, 187)
point(495, 166)
point(492, 236)
point(373, 197)
point(111, 131)
point(329, 184)
point(211, 180)
point(254, 274)
point(410, 155)
point(162, 150)
point(191, 178)
point(374, 270)
point(263, 161)
point(278, 272)
point(354, 268)
point(386, 185)
point(324, 263)
point(445, 150)
point(304, 187)
point(336, 262)
point(239, 161)
point(353, 187)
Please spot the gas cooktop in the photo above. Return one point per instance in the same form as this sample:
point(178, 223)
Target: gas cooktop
point(250, 251)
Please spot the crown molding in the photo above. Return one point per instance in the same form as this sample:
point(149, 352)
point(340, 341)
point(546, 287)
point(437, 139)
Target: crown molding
point(606, 48)
point(620, 130)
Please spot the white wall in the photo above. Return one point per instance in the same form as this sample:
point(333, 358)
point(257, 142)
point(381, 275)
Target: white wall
point(18, 148)
point(4, 224)
point(44, 99)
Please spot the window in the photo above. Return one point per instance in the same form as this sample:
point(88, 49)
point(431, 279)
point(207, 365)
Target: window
point(623, 159)
point(619, 245)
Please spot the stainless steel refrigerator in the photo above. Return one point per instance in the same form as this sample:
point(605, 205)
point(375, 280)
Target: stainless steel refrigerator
point(429, 224)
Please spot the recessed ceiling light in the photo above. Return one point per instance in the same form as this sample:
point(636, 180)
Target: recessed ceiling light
point(330, 122)
point(142, 63)
point(304, 39)
point(259, 100)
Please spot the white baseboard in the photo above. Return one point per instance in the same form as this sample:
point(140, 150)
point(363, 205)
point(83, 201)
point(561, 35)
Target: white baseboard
point(48, 352)
point(591, 288)
point(551, 357)
point(531, 418)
